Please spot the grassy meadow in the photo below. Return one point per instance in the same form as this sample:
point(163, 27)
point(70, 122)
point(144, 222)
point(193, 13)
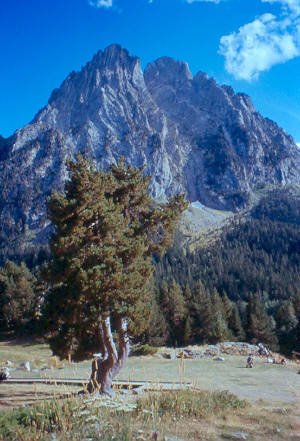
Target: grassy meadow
point(225, 400)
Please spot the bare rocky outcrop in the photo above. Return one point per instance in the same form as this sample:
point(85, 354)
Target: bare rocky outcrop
point(216, 352)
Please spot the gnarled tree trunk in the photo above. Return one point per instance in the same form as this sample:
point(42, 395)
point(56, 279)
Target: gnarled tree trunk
point(104, 369)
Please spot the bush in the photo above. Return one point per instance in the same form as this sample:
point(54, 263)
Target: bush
point(106, 418)
point(186, 403)
point(143, 350)
point(26, 422)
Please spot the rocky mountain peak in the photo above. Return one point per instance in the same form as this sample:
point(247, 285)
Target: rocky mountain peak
point(190, 133)
point(169, 71)
point(83, 93)
point(111, 56)
point(115, 61)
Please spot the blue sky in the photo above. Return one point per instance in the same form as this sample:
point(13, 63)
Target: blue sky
point(252, 45)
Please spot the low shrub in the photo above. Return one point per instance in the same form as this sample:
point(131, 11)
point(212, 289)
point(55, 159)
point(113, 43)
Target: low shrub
point(106, 418)
point(143, 350)
point(27, 421)
point(185, 403)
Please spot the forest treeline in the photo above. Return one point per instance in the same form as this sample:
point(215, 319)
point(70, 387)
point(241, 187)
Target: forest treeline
point(244, 287)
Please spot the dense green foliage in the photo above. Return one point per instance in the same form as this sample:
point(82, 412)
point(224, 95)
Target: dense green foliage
point(281, 205)
point(18, 299)
point(254, 268)
point(246, 286)
point(107, 228)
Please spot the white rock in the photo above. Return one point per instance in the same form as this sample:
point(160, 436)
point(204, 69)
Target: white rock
point(219, 359)
point(24, 366)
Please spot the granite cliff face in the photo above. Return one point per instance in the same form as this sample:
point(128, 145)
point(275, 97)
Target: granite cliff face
point(191, 135)
point(231, 147)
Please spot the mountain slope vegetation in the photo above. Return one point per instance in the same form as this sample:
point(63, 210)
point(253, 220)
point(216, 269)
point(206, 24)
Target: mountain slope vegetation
point(256, 259)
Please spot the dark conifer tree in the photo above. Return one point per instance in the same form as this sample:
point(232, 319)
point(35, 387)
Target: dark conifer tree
point(286, 317)
point(18, 301)
point(296, 304)
point(233, 319)
point(259, 326)
point(227, 305)
point(202, 314)
point(156, 333)
point(235, 324)
point(287, 326)
point(189, 321)
point(106, 229)
point(219, 326)
point(174, 311)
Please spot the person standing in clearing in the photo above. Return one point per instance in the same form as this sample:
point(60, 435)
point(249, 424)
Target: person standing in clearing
point(250, 361)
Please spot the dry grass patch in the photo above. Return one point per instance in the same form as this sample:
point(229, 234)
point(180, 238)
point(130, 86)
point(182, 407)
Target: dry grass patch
point(216, 411)
point(177, 416)
point(18, 352)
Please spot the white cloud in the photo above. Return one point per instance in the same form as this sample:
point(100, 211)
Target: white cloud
point(211, 1)
point(265, 42)
point(101, 3)
point(287, 5)
point(110, 3)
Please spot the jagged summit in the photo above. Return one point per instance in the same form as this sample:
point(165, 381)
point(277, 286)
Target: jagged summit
point(178, 70)
point(190, 133)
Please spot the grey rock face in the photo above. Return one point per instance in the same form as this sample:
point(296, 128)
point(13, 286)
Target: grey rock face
point(231, 147)
point(191, 135)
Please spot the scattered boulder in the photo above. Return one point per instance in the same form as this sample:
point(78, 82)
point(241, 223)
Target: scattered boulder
point(219, 358)
point(186, 353)
point(173, 438)
point(24, 366)
point(45, 367)
point(263, 350)
point(4, 374)
point(238, 435)
point(168, 355)
point(211, 351)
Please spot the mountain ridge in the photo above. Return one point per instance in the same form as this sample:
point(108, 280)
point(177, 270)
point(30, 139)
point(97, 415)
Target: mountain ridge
point(189, 133)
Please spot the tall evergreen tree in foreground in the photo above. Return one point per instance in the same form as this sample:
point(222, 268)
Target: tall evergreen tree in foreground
point(106, 229)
